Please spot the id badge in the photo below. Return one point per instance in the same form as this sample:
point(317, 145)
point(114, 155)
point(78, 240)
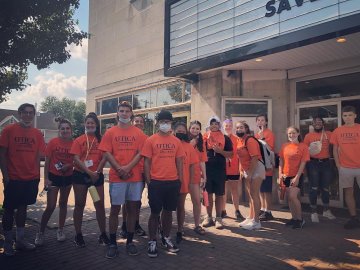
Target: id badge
point(89, 163)
point(58, 165)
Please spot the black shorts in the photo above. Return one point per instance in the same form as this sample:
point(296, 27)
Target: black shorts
point(216, 176)
point(18, 193)
point(80, 178)
point(287, 181)
point(60, 180)
point(233, 177)
point(266, 185)
point(163, 195)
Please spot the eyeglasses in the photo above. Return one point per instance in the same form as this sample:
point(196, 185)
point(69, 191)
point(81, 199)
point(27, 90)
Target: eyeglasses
point(27, 112)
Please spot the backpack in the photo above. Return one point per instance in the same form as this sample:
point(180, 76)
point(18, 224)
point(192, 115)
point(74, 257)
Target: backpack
point(268, 156)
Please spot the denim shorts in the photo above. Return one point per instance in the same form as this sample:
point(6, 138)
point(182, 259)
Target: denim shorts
point(125, 191)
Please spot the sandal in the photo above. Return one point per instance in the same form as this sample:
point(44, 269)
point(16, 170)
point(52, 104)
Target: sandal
point(199, 230)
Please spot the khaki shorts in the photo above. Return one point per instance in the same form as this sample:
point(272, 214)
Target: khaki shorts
point(348, 175)
point(259, 171)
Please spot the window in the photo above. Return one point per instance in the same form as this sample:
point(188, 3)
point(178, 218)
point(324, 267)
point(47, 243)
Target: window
point(142, 100)
point(128, 98)
point(169, 95)
point(109, 106)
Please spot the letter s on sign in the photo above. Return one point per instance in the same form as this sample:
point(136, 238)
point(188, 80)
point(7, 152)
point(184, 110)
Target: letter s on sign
point(270, 8)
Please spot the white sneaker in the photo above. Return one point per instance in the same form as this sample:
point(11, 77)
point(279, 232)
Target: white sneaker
point(252, 225)
point(23, 245)
point(218, 223)
point(60, 235)
point(329, 215)
point(315, 218)
point(246, 221)
point(39, 239)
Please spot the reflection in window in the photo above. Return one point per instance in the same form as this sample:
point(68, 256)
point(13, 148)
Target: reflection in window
point(127, 98)
point(244, 108)
point(106, 124)
point(169, 95)
point(98, 106)
point(142, 100)
point(187, 94)
point(109, 106)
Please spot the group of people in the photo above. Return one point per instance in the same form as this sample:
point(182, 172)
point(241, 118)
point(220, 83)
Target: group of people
point(173, 162)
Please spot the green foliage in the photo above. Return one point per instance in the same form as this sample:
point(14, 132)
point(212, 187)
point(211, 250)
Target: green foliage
point(66, 108)
point(34, 32)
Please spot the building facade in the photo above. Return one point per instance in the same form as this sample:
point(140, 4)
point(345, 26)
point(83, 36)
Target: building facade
point(291, 59)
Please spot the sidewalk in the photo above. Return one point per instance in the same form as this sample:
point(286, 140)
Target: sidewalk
point(317, 246)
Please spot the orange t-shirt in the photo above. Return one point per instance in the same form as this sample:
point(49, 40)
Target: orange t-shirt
point(87, 148)
point(215, 138)
point(316, 136)
point(292, 155)
point(163, 151)
point(190, 158)
point(269, 138)
point(59, 150)
point(232, 164)
point(245, 153)
point(202, 158)
point(124, 144)
point(348, 140)
point(24, 146)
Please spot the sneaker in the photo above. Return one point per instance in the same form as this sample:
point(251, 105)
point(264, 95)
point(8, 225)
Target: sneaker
point(208, 222)
point(9, 248)
point(123, 234)
point(314, 218)
point(60, 236)
point(352, 224)
point(328, 215)
point(265, 216)
point(24, 246)
point(131, 249)
point(261, 212)
point(298, 224)
point(224, 214)
point(290, 222)
point(252, 225)
point(246, 221)
point(179, 237)
point(79, 240)
point(112, 252)
point(238, 216)
point(218, 223)
point(104, 239)
point(166, 243)
point(140, 231)
point(39, 239)
point(152, 249)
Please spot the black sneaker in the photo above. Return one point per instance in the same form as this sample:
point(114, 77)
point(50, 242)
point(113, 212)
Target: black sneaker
point(79, 241)
point(179, 237)
point(131, 249)
point(266, 216)
point(298, 224)
point(290, 222)
point(112, 252)
point(261, 212)
point(139, 231)
point(104, 239)
point(352, 224)
point(167, 244)
point(239, 216)
point(123, 234)
point(224, 214)
point(152, 249)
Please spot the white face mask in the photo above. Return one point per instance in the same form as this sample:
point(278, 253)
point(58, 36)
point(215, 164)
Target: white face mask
point(165, 127)
point(90, 130)
point(124, 121)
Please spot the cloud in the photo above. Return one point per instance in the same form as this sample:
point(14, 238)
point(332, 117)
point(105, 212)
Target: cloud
point(80, 51)
point(49, 83)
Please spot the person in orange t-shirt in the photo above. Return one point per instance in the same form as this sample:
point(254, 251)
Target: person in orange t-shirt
point(232, 173)
point(20, 149)
point(293, 158)
point(190, 160)
point(163, 170)
point(319, 168)
point(346, 149)
point(122, 145)
point(253, 169)
point(58, 171)
point(199, 179)
point(89, 163)
point(265, 134)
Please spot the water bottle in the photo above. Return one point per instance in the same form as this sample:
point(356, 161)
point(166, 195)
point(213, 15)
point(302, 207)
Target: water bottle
point(44, 191)
point(205, 198)
point(94, 194)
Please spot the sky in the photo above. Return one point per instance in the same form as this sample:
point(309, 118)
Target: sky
point(60, 80)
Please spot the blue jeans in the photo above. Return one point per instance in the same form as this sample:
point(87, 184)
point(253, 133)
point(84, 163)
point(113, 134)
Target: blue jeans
point(320, 174)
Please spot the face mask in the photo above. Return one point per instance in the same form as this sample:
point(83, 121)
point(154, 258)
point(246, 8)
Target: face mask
point(182, 136)
point(124, 121)
point(165, 127)
point(240, 134)
point(90, 130)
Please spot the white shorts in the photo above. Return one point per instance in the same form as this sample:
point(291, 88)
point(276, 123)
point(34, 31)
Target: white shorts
point(348, 175)
point(122, 192)
point(259, 171)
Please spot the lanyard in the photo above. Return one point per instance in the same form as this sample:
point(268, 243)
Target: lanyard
point(88, 146)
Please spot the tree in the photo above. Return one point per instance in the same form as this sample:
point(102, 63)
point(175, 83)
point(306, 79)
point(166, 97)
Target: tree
point(67, 108)
point(34, 32)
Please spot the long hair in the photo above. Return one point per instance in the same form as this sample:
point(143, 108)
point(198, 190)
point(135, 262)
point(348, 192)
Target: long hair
point(200, 141)
point(297, 130)
point(93, 116)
